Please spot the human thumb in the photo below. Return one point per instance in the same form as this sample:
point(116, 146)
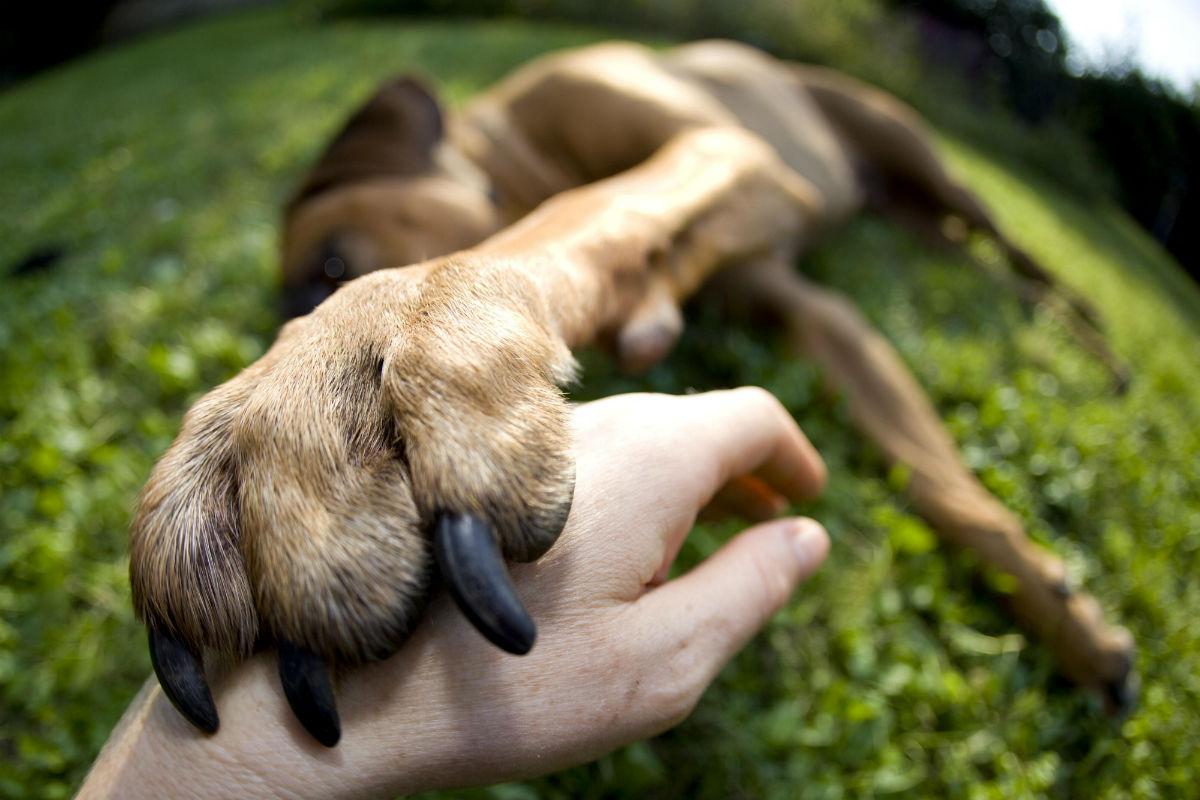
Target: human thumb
point(725, 600)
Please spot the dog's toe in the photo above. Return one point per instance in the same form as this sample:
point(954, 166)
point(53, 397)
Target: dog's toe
point(311, 502)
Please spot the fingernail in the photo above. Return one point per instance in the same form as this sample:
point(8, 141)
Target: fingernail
point(810, 541)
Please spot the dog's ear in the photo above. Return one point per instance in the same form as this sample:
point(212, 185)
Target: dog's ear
point(395, 133)
point(419, 105)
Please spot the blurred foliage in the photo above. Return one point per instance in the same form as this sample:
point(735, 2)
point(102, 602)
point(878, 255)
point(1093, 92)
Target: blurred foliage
point(817, 31)
point(814, 30)
point(1151, 141)
point(1145, 134)
point(160, 168)
point(34, 36)
point(1019, 46)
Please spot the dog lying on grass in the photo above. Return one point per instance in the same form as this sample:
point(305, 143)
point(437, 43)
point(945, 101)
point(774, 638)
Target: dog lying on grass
point(413, 424)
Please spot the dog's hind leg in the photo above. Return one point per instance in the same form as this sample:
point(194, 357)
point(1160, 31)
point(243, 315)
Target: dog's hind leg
point(892, 141)
point(909, 176)
point(887, 405)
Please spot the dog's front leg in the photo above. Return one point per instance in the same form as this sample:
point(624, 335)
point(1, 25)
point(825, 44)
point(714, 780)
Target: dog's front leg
point(605, 255)
point(414, 424)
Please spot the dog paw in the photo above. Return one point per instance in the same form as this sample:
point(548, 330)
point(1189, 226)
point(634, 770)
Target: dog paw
point(1094, 654)
point(402, 430)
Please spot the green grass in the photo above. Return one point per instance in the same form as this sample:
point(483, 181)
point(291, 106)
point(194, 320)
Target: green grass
point(162, 166)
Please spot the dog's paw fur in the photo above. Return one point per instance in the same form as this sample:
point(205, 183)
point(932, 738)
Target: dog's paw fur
point(297, 504)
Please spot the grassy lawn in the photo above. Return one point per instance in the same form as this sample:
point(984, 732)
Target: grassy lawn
point(161, 168)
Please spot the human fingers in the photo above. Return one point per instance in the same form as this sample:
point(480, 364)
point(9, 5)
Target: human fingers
point(746, 431)
point(745, 496)
point(698, 621)
point(646, 464)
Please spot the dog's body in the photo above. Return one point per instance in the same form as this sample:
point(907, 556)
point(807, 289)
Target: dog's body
point(294, 505)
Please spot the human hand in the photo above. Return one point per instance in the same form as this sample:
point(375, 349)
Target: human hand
point(622, 653)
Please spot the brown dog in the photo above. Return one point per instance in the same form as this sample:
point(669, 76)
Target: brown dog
point(415, 417)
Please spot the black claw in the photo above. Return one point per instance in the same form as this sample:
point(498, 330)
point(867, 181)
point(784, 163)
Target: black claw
point(309, 692)
point(181, 676)
point(472, 566)
point(1121, 695)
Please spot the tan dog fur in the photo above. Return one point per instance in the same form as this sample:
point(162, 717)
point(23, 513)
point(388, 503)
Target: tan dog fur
point(297, 499)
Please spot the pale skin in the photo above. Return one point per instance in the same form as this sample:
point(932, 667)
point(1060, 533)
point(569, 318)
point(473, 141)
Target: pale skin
point(622, 654)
